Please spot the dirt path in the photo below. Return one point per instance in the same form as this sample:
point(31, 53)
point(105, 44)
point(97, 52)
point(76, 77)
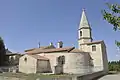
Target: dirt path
point(111, 77)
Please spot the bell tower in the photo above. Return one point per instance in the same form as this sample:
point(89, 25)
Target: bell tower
point(84, 31)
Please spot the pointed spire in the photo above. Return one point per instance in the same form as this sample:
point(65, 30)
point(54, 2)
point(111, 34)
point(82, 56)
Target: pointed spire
point(84, 21)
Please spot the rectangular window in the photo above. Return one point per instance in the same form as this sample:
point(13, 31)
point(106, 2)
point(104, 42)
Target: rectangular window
point(93, 48)
point(80, 33)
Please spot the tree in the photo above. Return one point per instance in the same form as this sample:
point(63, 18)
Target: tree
point(114, 66)
point(113, 17)
point(2, 52)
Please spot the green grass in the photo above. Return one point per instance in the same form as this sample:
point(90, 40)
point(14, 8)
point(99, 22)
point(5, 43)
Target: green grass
point(32, 76)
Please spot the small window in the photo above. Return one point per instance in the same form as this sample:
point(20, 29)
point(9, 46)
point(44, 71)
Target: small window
point(93, 48)
point(12, 58)
point(61, 60)
point(25, 59)
point(80, 33)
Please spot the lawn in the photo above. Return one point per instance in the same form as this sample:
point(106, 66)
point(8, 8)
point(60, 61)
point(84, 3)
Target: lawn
point(32, 76)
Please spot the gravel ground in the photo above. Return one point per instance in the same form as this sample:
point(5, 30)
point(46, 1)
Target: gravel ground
point(111, 77)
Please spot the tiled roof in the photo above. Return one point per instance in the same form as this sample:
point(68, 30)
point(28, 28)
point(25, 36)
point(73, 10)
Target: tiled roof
point(35, 51)
point(95, 42)
point(10, 54)
point(8, 51)
point(39, 57)
point(42, 47)
point(30, 49)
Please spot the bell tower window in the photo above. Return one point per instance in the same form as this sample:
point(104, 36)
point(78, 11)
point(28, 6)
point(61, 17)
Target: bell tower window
point(80, 33)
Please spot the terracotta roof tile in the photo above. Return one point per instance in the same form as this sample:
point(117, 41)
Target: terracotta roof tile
point(10, 54)
point(39, 57)
point(50, 50)
point(30, 49)
point(42, 47)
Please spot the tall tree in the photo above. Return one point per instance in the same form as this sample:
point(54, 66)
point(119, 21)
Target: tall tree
point(113, 17)
point(2, 52)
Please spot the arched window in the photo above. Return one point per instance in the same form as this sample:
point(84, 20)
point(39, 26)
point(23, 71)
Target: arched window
point(25, 59)
point(12, 58)
point(61, 60)
point(80, 33)
point(94, 48)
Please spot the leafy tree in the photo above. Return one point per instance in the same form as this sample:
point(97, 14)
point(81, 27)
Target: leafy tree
point(2, 52)
point(113, 17)
point(114, 66)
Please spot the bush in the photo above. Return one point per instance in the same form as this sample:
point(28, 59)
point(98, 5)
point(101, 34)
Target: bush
point(114, 66)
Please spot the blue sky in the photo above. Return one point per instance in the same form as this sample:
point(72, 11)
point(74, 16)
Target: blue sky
point(23, 23)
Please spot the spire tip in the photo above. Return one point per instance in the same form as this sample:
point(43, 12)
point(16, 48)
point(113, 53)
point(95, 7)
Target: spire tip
point(83, 9)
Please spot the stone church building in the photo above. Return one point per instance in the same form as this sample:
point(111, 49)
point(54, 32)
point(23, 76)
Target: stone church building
point(88, 57)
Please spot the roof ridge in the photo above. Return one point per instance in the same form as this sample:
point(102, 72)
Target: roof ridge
point(50, 50)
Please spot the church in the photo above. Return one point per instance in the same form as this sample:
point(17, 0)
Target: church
point(90, 56)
